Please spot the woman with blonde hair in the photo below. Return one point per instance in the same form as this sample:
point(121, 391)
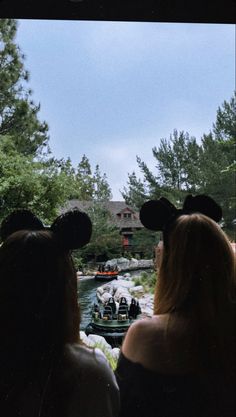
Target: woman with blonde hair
point(181, 362)
point(45, 371)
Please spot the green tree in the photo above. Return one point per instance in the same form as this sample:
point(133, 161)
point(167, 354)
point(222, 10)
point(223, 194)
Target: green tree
point(225, 126)
point(143, 241)
point(39, 185)
point(18, 113)
point(184, 166)
point(218, 161)
point(177, 163)
point(105, 242)
point(29, 176)
point(102, 190)
point(136, 191)
point(89, 185)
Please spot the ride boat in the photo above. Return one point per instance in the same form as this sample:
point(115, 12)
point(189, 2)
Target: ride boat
point(106, 273)
point(113, 323)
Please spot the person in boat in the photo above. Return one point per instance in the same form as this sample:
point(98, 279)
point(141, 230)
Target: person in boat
point(112, 304)
point(96, 311)
point(134, 309)
point(181, 362)
point(123, 301)
point(45, 370)
point(96, 308)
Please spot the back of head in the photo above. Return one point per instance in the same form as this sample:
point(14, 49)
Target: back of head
point(197, 277)
point(35, 302)
point(39, 310)
point(198, 261)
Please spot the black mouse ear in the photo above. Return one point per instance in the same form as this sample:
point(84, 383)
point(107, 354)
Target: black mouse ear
point(73, 228)
point(21, 219)
point(154, 214)
point(203, 204)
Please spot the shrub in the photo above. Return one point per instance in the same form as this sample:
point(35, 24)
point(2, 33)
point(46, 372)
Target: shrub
point(148, 281)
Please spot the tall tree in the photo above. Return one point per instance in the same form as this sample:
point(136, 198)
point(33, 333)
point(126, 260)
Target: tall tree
point(184, 166)
point(225, 126)
point(18, 113)
point(136, 191)
point(89, 185)
point(102, 190)
point(177, 163)
point(84, 179)
point(176, 169)
point(29, 176)
point(218, 160)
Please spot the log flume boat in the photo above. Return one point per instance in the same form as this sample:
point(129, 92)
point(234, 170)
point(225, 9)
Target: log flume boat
point(111, 322)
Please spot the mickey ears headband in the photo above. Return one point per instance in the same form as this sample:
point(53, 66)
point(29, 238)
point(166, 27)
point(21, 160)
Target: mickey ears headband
point(73, 228)
point(157, 214)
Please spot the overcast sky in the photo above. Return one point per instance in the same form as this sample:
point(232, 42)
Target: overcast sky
point(112, 90)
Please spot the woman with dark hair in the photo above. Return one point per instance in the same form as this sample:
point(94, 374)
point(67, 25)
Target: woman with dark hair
point(181, 362)
point(45, 371)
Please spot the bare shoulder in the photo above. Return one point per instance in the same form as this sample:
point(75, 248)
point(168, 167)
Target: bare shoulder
point(142, 335)
point(157, 345)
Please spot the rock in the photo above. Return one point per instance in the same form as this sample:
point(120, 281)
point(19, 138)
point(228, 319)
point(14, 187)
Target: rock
point(122, 283)
point(100, 290)
point(124, 264)
point(104, 297)
point(127, 275)
point(115, 353)
point(100, 341)
point(85, 339)
point(122, 292)
point(136, 290)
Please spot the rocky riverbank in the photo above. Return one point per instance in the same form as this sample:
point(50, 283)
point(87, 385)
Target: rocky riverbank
point(124, 286)
point(122, 265)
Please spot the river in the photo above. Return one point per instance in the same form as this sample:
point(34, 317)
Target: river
point(87, 295)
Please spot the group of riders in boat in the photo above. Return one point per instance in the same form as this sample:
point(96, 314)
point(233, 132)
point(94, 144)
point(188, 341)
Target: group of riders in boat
point(112, 321)
point(124, 311)
point(107, 268)
point(106, 272)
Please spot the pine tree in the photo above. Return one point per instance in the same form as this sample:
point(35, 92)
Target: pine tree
point(18, 113)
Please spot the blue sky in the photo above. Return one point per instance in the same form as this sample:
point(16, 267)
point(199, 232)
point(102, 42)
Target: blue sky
point(112, 90)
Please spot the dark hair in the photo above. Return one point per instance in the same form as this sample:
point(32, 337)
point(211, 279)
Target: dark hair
point(39, 312)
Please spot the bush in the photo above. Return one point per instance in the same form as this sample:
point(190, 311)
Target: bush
point(148, 281)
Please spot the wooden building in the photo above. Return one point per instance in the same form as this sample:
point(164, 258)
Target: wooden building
point(123, 216)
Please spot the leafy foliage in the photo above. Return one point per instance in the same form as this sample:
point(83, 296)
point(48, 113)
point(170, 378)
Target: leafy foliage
point(186, 166)
point(143, 241)
point(40, 185)
point(30, 176)
point(88, 185)
point(148, 281)
point(105, 241)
